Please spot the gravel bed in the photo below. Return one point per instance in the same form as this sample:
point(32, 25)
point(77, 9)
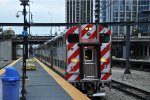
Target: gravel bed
point(117, 95)
point(139, 79)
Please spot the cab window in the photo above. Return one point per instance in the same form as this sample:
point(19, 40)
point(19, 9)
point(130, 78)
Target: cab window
point(88, 54)
point(104, 38)
point(73, 38)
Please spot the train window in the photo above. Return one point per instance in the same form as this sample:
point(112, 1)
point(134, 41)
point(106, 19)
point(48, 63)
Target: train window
point(88, 54)
point(104, 38)
point(73, 38)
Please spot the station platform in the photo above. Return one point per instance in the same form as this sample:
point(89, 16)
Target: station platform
point(45, 84)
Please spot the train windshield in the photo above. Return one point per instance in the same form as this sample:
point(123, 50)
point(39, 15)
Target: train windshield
point(73, 38)
point(104, 38)
point(88, 54)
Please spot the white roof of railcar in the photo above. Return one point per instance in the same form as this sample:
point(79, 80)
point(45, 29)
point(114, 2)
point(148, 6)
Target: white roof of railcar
point(56, 37)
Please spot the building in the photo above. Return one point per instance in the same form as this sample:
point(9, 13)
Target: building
point(6, 44)
point(79, 11)
point(6, 50)
point(124, 11)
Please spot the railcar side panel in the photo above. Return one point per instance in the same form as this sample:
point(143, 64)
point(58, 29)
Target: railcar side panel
point(105, 53)
point(73, 62)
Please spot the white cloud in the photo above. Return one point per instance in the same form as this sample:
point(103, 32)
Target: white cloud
point(3, 2)
point(39, 8)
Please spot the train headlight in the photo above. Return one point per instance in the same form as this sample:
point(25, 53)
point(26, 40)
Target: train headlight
point(90, 28)
point(74, 60)
point(86, 28)
point(103, 60)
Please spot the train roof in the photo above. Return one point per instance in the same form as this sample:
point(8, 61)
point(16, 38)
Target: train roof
point(61, 34)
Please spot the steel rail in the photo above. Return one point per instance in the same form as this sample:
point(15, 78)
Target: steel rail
point(130, 90)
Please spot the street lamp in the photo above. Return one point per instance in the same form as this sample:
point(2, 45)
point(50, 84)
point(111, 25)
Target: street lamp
point(24, 2)
point(25, 47)
point(50, 22)
point(30, 17)
point(31, 21)
point(17, 15)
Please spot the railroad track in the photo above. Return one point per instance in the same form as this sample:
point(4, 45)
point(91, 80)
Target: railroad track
point(137, 69)
point(130, 90)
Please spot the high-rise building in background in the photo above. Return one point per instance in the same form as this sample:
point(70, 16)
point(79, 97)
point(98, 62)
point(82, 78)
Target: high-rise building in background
point(79, 11)
point(126, 10)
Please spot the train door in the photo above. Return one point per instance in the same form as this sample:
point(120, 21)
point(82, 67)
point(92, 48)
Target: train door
point(89, 63)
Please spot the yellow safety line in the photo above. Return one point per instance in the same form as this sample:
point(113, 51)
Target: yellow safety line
point(11, 64)
point(72, 91)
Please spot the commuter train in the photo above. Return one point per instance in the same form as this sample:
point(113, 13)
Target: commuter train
point(82, 54)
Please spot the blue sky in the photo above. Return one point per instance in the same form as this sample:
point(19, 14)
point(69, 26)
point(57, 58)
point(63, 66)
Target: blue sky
point(39, 9)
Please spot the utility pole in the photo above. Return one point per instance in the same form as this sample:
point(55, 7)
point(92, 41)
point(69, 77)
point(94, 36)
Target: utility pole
point(97, 18)
point(25, 48)
point(30, 16)
point(127, 72)
point(29, 23)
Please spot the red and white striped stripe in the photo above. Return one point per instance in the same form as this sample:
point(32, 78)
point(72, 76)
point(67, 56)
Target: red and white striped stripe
point(106, 77)
point(105, 53)
point(92, 31)
point(72, 53)
point(72, 77)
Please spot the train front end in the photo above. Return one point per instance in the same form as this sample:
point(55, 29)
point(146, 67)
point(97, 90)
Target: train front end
point(89, 58)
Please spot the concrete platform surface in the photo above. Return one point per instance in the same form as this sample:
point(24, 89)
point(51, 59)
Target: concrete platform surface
point(44, 85)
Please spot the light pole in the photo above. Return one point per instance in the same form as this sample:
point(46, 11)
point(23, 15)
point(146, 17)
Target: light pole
point(17, 15)
point(25, 48)
point(97, 19)
point(50, 22)
point(29, 15)
point(30, 22)
point(127, 72)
